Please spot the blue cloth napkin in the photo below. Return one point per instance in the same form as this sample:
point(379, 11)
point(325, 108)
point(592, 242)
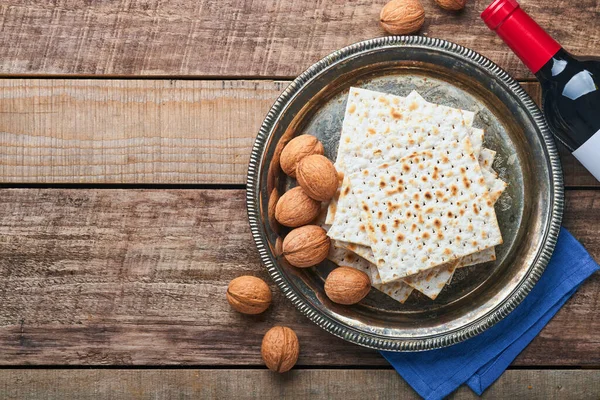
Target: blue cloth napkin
point(481, 360)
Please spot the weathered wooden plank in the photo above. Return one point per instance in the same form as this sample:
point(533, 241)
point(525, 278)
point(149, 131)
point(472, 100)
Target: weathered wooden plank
point(233, 38)
point(98, 384)
point(143, 131)
point(138, 277)
point(128, 131)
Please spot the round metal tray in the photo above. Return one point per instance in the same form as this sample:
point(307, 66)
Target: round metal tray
point(529, 212)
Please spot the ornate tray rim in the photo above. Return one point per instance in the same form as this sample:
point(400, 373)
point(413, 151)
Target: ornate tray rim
point(362, 338)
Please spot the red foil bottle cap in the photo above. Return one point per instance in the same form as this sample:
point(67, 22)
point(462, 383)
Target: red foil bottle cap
point(524, 36)
point(497, 12)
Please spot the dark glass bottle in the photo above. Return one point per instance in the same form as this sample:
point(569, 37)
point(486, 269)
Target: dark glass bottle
point(570, 85)
point(571, 90)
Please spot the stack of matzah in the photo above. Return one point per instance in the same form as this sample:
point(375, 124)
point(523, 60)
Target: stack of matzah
point(417, 196)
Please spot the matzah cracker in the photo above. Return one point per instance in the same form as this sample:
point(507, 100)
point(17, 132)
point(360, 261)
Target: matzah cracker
point(486, 157)
point(380, 127)
point(495, 185)
point(425, 112)
point(366, 252)
point(433, 279)
point(347, 231)
point(468, 116)
point(399, 291)
point(372, 117)
point(446, 214)
point(431, 282)
point(333, 203)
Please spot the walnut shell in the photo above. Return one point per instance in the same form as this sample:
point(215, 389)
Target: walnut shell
point(346, 285)
point(249, 295)
point(451, 5)
point(280, 349)
point(298, 148)
point(295, 208)
point(401, 17)
point(306, 246)
point(318, 177)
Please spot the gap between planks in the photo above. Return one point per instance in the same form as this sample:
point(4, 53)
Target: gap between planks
point(57, 131)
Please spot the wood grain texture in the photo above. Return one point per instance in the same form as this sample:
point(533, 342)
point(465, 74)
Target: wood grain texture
point(138, 277)
point(261, 384)
point(128, 131)
point(144, 131)
point(241, 38)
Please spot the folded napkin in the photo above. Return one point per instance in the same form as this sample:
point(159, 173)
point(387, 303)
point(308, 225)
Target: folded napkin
point(481, 360)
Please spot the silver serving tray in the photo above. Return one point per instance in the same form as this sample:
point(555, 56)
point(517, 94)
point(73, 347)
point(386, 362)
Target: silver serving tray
point(529, 212)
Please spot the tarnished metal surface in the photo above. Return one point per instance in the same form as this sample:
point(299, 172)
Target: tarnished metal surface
point(529, 212)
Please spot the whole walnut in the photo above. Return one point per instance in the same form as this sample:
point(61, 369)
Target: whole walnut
point(298, 148)
point(347, 286)
point(318, 177)
point(306, 246)
point(401, 17)
point(280, 349)
point(296, 208)
point(249, 295)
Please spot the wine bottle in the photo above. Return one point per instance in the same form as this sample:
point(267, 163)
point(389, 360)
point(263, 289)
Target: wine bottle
point(570, 85)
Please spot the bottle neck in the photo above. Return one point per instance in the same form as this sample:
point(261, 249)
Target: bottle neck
point(521, 33)
point(555, 66)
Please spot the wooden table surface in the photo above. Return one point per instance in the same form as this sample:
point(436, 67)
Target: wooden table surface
point(125, 132)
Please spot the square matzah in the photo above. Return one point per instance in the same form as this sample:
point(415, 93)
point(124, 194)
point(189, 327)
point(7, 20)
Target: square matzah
point(431, 282)
point(430, 208)
point(380, 127)
point(371, 116)
point(495, 185)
